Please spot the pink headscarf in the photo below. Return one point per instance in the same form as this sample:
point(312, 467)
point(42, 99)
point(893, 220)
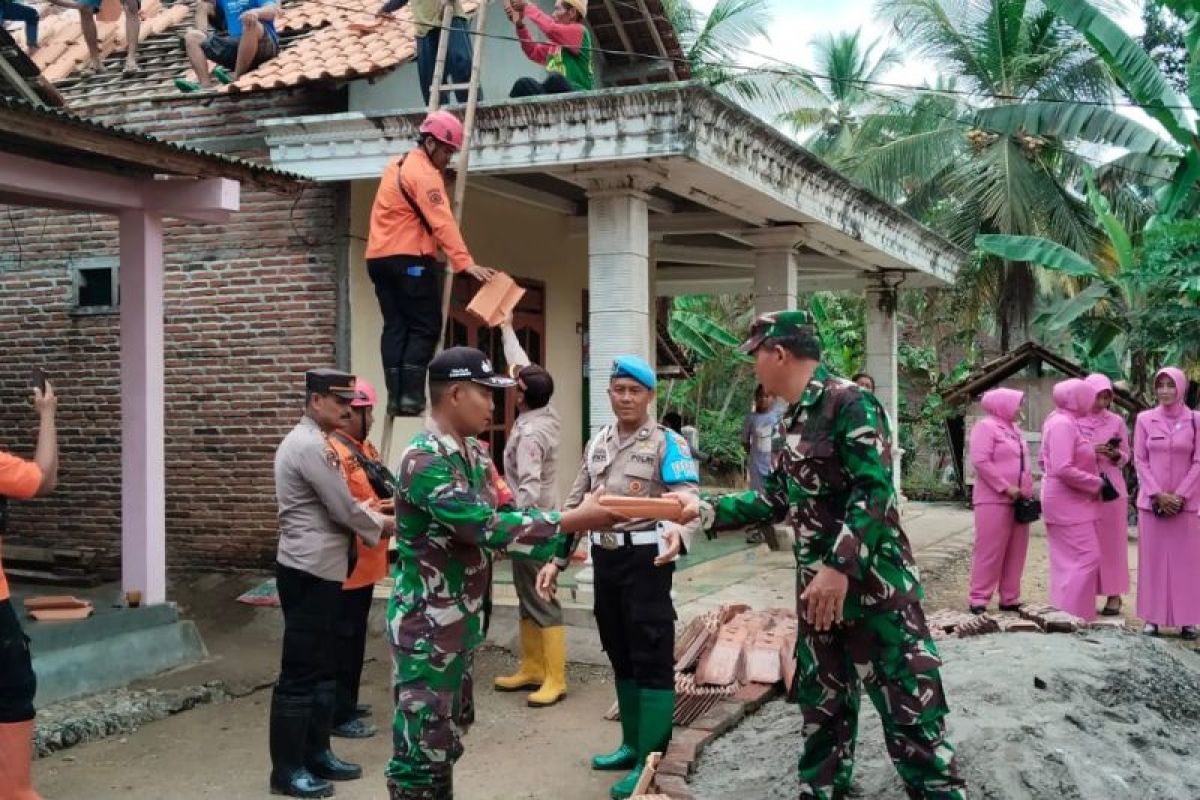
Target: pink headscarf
point(1101, 382)
point(1002, 404)
point(1181, 386)
point(1061, 394)
point(1081, 398)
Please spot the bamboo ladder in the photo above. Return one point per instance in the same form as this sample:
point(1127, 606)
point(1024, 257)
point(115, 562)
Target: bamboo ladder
point(436, 87)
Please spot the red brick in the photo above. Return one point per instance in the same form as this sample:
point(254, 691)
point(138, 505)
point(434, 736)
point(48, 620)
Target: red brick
point(672, 767)
point(690, 742)
point(754, 695)
point(674, 787)
point(721, 717)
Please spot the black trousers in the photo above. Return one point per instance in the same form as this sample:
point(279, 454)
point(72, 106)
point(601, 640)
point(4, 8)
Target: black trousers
point(409, 290)
point(634, 614)
point(529, 87)
point(18, 684)
point(311, 606)
point(351, 649)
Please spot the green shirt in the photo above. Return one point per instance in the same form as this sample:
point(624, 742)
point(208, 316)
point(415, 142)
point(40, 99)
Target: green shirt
point(575, 67)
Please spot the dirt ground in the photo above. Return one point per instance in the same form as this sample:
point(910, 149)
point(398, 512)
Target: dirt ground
point(513, 752)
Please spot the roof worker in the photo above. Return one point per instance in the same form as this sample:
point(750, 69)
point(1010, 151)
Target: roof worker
point(318, 522)
point(410, 220)
point(530, 466)
point(133, 28)
point(245, 39)
point(369, 481)
point(22, 480)
point(427, 27)
point(567, 56)
point(450, 516)
point(12, 11)
point(634, 562)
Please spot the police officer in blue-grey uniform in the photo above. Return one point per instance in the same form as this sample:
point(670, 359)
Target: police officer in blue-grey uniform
point(634, 562)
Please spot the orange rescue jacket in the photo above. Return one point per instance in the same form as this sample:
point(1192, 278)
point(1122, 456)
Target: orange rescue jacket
point(396, 229)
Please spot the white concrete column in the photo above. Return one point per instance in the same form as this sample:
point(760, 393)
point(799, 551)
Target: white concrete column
point(143, 475)
point(881, 361)
point(618, 286)
point(775, 280)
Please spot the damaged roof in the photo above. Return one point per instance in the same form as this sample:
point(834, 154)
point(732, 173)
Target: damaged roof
point(321, 41)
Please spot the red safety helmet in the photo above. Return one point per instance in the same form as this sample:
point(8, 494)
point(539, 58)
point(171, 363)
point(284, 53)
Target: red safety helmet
point(366, 394)
point(445, 127)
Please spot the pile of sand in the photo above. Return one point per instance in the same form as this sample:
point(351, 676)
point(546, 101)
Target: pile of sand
point(1118, 717)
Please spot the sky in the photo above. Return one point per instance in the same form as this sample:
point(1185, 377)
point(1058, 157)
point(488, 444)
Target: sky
point(795, 23)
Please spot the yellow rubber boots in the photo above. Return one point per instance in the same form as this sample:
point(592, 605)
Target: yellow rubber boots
point(531, 672)
point(554, 654)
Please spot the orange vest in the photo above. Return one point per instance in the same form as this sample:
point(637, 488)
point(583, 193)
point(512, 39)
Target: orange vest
point(372, 561)
point(19, 479)
point(397, 230)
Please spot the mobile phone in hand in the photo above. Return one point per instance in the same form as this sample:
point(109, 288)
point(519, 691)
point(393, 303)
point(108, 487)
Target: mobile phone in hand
point(1115, 442)
point(37, 379)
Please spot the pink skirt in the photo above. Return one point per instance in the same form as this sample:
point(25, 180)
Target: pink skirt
point(1112, 529)
point(1074, 568)
point(1168, 591)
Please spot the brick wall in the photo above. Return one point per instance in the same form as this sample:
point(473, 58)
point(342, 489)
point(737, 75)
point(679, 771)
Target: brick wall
point(249, 306)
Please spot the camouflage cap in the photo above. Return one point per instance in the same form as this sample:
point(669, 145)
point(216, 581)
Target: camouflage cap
point(782, 325)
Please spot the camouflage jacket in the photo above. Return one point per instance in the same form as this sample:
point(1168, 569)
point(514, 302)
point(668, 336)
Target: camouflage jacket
point(446, 520)
point(831, 466)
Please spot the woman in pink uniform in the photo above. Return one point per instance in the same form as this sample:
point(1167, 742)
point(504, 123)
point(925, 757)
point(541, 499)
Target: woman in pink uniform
point(1167, 459)
point(1109, 437)
point(1001, 460)
point(1071, 504)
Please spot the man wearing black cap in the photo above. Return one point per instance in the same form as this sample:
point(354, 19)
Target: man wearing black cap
point(530, 467)
point(447, 520)
point(318, 520)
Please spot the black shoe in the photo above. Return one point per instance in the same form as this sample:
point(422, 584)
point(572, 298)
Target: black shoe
point(318, 758)
point(1150, 629)
point(291, 717)
point(328, 766)
point(363, 710)
point(394, 389)
point(354, 729)
point(300, 783)
point(1013, 607)
point(977, 610)
point(412, 391)
point(1188, 633)
point(441, 789)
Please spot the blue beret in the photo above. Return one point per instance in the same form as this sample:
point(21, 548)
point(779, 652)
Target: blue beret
point(636, 368)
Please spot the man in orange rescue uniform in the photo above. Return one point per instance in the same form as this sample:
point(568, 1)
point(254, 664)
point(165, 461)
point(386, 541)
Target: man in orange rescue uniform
point(368, 479)
point(21, 480)
point(410, 220)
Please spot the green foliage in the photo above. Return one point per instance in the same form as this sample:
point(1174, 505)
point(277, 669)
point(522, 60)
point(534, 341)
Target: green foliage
point(721, 439)
point(1167, 326)
point(841, 321)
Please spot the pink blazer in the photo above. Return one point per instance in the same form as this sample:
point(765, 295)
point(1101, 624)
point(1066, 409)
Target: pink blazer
point(996, 449)
point(1071, 485)
point(1099, 428)
point(1167, 456)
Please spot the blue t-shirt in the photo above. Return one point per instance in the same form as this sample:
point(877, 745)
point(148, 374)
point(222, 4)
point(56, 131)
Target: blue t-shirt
point(233, 10)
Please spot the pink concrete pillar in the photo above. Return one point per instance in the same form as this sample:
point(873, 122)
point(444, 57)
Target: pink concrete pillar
point(143, 492)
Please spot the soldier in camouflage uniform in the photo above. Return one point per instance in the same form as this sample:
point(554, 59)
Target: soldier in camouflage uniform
point(446, 517)
point(858, 588)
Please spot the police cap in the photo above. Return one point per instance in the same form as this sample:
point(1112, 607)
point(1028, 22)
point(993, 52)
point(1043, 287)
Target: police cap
point(331, 381)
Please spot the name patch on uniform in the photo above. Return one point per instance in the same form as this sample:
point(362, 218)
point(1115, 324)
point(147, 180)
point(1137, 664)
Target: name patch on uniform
point(642, 457)
point(678, 466)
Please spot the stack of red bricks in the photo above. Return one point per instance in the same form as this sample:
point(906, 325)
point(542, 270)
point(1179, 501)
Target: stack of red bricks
point(728, 663)
point(1031, 618)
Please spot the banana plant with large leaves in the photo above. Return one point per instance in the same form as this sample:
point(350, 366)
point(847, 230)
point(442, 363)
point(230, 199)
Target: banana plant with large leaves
point(1171, 164)
point(1109, 297)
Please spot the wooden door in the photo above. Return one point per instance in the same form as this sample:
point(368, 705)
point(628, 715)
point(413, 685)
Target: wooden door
point(465, 330)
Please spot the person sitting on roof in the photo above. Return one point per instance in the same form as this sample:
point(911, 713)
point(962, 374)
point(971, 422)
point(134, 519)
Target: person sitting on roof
point(87, 23)
point(245, 39)
point(568, 56)
point(12, 11)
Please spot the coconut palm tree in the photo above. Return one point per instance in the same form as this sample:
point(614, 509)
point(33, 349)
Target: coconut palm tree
point(833, 101)
point(715, 44)
point(966, 179)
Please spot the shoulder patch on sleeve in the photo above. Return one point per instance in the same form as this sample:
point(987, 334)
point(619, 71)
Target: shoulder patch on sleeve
point(436, 197)
point(678, 466)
